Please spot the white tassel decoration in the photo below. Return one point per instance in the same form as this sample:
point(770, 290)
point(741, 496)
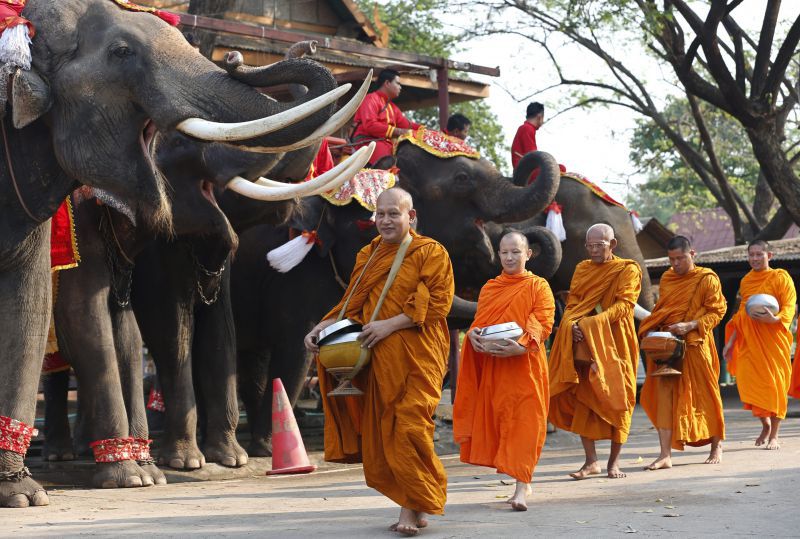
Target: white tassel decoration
point(15, 47)
point(555, 223)
point(637, 224)
point(291, 253)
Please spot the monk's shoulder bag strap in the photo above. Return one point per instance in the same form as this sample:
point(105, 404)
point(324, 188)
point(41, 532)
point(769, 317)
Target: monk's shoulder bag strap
point(398, 261)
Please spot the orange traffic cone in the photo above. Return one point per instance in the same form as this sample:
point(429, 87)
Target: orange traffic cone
point(288, 452)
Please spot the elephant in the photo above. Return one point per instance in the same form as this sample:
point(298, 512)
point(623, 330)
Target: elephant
point(103, 80)
point(273, 311)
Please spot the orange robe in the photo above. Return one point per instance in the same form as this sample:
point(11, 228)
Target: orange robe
point(500, 413)
point(598, 404)
point(690, 404)
point(760, 359)
point(390, 428)
point(794, 384)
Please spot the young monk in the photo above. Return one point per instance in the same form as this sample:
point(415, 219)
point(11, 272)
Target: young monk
point(759, 345)
point(500, 413)
point(686, 409)
point(596, 400)
point(391, 426)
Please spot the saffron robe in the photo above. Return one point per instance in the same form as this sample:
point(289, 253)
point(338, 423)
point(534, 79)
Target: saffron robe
point(500, 413)
point(794, 384)
point(390, 427)
point(692, 400)
point(760, 356)
point(377, 118)
point(598, 403)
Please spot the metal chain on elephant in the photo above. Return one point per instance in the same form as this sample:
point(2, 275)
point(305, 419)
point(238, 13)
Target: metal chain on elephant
point(200, 270)
point(118, 268)
point(15, 477)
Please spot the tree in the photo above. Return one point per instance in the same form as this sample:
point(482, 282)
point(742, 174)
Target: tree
point(416, 26)
point(760, 96)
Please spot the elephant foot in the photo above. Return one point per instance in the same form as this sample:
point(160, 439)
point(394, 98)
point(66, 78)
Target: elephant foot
point(260, 447)
point(181, 455)
point(121, 474)
point(151, 469)
point(225, 452)
point(18, 489)
point(58, 450)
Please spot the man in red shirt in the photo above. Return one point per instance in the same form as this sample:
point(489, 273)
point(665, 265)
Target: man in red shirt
point(379, 119)
point(525, 139)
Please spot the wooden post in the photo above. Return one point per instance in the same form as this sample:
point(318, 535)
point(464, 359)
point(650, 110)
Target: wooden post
point(444, 96)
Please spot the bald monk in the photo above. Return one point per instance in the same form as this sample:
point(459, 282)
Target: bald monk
point(686, 409)
point(758, 346)
point(596, 400)
point(390, 428)
point(500, 413)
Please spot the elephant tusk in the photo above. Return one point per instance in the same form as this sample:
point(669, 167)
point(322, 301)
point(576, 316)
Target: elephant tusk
point(334, 123)
point(267, 190)
point(328, 181)
point(640, 313)
point(228, 132)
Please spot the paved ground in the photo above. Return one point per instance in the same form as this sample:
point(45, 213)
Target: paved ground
point(754, 492)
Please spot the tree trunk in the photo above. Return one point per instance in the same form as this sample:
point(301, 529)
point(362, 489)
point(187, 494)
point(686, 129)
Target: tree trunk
point(776, 167)
point(777, 227)
point(764, 200)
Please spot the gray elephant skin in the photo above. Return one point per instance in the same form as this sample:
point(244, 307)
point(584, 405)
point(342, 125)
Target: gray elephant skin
point(102, 80)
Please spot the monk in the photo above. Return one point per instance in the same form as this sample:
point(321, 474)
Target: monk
point(758, 346)
point(595, 399)
point(390, 428)
point(686, 409)
point(500, 413)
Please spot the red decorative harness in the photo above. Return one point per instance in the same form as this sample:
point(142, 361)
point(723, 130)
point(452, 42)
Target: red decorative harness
point(15, 435)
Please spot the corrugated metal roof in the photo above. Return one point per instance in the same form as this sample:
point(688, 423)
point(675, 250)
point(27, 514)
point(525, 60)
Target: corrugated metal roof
point(788, 249)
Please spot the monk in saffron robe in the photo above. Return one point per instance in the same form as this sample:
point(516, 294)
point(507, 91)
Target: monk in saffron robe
point(687, 408)
point(390, 428)
point(596, 399)
point(759, 345)
point(500, 413)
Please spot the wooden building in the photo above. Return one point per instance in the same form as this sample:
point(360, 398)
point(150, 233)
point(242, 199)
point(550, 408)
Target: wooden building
point(348, 44)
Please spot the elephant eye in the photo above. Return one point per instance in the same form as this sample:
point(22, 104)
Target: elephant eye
point(122, 51)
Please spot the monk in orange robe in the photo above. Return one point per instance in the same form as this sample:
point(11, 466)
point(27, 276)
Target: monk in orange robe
point(759, 345)
point(686, 409)
point(500, 413)
point(390, 428)
point(596, 399)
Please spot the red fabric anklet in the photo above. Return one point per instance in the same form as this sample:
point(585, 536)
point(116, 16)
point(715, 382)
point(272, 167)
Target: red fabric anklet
point(15, 435)
point(112, 449)
point(140, 449)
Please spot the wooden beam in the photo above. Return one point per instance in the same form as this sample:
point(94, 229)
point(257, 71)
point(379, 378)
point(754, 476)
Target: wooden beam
point(444, 97)
point(332, 43)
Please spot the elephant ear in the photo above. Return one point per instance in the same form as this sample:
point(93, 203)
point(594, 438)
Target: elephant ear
point(30, 98)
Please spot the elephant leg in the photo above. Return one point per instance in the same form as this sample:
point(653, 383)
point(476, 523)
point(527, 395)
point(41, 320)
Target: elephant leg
point(25, 290)
point(253, 374)
point(214, 352)
point(57, 435)
point(86, 338)
point(128, 346)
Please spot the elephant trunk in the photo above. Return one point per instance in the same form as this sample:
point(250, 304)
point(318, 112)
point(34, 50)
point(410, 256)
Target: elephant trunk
point(504, 202)
point(463, 309)
point(547, 251)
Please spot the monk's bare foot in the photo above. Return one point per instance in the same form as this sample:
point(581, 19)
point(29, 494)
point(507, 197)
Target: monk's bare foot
point(616, 473)
point(661, 463)
point(519, 500)
point(407, 523)
point(587, 470)
point(422, 522)
point(765, 430)
point(528, 492)
point(715, 457)
point(773, 444)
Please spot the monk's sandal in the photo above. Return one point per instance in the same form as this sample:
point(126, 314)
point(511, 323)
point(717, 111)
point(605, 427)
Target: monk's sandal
point(15, 477)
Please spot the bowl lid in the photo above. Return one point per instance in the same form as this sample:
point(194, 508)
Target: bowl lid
point(342, 326)
point(662, 334)
point(498, 328)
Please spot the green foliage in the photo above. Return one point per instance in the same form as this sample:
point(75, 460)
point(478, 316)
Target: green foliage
point(672, 186)
point(415, 26)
